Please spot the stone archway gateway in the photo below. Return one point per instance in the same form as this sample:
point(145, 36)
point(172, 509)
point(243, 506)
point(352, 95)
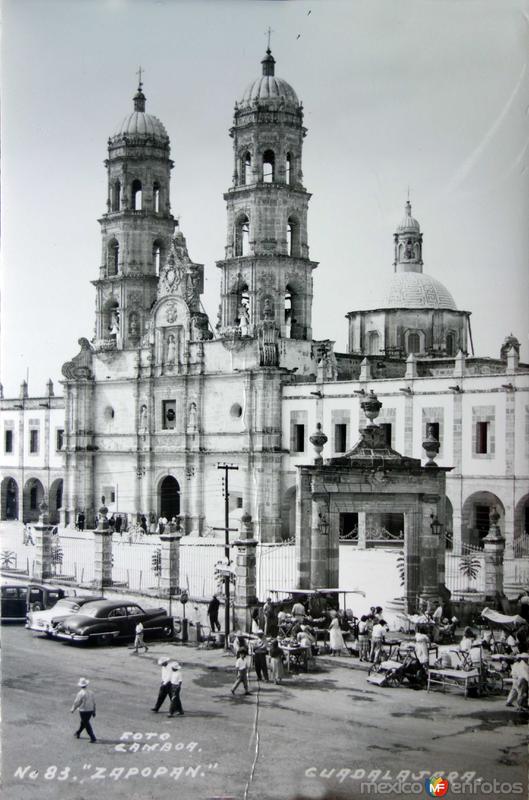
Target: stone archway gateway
point(33, 497)
point(169, 497)
point(10, 501)
point(55, 500)
point(372, 479)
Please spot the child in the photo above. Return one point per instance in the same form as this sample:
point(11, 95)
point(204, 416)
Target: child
point(241, 666)
point(138, 641)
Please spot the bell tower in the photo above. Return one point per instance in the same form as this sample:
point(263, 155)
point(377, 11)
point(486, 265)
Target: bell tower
point(408, 244)
point(136, 229)
point(267, 273)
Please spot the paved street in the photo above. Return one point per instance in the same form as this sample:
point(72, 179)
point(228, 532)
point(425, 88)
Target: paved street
point(271, 746)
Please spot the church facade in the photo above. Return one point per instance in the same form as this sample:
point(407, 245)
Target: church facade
point(162, 396)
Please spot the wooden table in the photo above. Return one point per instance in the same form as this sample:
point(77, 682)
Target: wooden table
point(455, 678)
point(296, 657)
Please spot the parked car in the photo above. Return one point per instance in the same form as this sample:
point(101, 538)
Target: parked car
point(47, 621)
point(18, 599)
point(109, 620)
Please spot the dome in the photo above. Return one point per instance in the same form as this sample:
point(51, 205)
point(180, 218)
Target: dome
point(141, 124)
point(417, 290)
point(268, 86)
point(408, 224)
point(138, 123)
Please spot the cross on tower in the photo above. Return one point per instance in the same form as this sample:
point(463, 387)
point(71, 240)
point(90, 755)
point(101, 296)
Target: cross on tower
point(139, 74)
point(269, 33)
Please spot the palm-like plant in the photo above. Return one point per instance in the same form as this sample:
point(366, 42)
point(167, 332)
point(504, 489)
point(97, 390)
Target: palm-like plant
point(57, 556)
point(469, 566)
point(8, 559)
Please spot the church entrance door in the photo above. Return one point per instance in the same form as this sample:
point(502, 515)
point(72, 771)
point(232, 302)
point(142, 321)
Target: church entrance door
point(169, 497)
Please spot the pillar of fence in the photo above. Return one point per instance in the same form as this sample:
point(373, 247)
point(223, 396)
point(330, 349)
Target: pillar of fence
point(494, 548)
point(245, 576)
point(103, 550)
point(42, 570)
point(170, 561)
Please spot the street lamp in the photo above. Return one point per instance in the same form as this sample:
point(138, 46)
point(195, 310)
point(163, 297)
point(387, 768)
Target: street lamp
point(436, 526)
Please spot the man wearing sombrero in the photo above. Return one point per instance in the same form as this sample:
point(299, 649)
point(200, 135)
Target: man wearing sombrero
point(86, 703)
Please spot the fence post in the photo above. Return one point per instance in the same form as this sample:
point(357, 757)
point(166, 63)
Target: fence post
point(494, 547)
point(42, 569)
point(245, 577)
point(103, 551)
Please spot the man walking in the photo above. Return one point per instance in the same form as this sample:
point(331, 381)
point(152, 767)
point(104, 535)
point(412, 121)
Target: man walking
point(165, 685)
point(176, 685)
point(138, 640)
point(260, 651)
point(213, 614)
point(86, 703)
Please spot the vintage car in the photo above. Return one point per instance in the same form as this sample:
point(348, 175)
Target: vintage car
point(47, 621)
point(18, 599)
point(105, 621)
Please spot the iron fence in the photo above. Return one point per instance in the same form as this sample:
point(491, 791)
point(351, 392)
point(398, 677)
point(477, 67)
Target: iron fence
point(275, 567)
point(465, 573)
point(75, 558)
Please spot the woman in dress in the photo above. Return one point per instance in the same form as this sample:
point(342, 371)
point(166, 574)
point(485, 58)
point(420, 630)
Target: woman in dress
point(336, 641)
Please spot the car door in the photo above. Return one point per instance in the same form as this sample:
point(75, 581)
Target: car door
point(35, 599)
point(135, 614)
point(11, 603)
point(118, 617)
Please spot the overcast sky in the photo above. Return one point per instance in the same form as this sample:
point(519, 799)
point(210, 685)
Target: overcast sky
point(430, 94)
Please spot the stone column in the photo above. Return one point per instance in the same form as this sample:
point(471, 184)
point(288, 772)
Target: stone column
point(429, 547)
point(493, 546)
point(319, 542)
point(303, 529)
point(170, 563)
point(412, 560)
point(103, 551)
point(42, 570)
point(245, 576)
point(362, 517)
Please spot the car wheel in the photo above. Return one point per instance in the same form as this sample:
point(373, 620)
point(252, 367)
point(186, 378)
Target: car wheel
point(105, 638)
point(37, 607)
point(167, 632)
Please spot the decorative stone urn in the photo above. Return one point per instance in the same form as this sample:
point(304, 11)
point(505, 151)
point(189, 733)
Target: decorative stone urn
point(371, 406)
point(318, 441)
point(430, 446)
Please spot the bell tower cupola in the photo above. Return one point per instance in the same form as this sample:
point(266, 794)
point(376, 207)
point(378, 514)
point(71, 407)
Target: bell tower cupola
point(408, 244)
point(266, 273)
point(136, 228)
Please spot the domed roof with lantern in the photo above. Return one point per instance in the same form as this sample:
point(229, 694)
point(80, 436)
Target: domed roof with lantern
point(409, 286)
point(139, 123)
point(268, 88)
point(408, 223)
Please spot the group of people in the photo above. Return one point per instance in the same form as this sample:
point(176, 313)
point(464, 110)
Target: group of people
point(261, 649)
point(372, 630)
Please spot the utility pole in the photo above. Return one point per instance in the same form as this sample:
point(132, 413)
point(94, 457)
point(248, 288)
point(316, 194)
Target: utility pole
point(226, 529)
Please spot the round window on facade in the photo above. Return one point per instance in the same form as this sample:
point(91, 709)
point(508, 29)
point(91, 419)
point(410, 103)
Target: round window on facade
point(236, 411)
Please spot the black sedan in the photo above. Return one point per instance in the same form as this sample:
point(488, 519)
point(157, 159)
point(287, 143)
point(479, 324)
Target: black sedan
point(109, 620)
